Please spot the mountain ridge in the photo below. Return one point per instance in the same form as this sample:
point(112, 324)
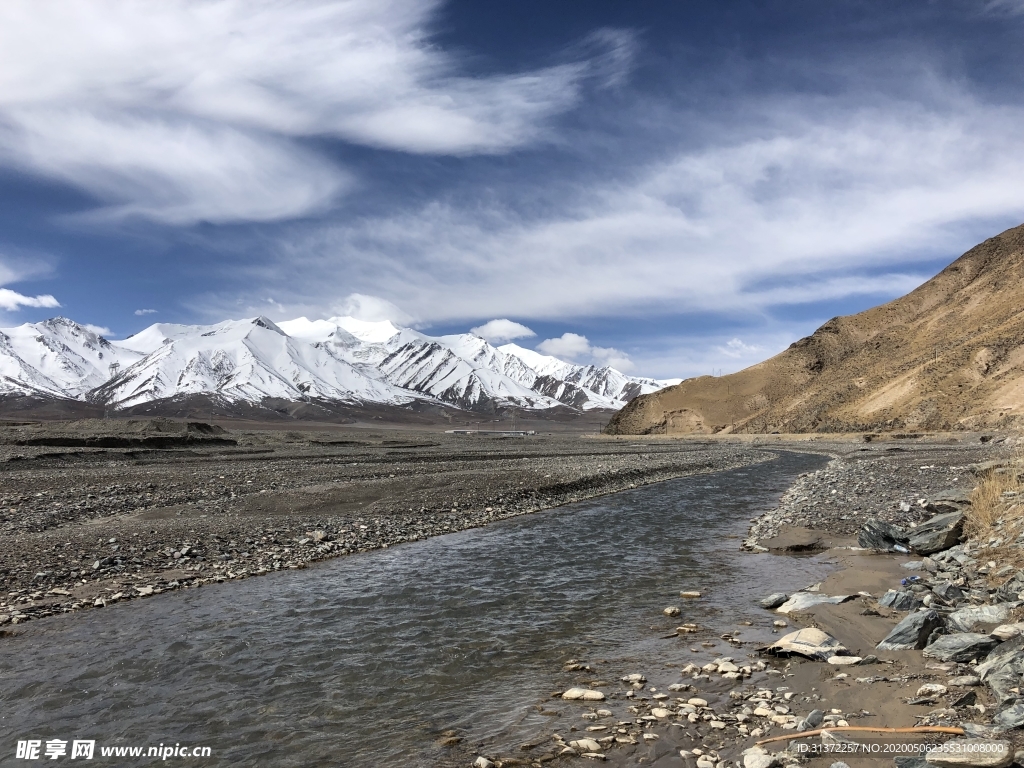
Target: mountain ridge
point(949, 355)
point(340, 361)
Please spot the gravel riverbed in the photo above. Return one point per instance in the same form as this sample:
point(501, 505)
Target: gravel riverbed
point(83, 526)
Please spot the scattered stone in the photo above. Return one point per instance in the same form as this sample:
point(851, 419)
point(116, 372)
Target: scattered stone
point(774, 600)
point(692, 594)
point(483, 762)
point(966, 619)
point(671, 611)
point(931, 689)
point(582, 694)
point(1011, 717)
point(755, 760)
point(900, 600)
point(911, 633)
point(585, 745)
point(843, 661)
point(1008, 631)
point(962, 647)
point(964, 681)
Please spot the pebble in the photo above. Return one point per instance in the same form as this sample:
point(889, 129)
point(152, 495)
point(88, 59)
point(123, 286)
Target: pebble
point(693, 594)
point(671, 611)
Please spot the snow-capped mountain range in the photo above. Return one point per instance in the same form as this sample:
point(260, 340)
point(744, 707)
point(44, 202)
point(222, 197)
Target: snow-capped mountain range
point(341, 360)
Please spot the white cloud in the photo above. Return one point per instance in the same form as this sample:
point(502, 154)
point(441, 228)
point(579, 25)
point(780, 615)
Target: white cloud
point(141, 312)
point(735, 348)
point(577, 348)
point(569, 346)
point(185, 111)
point(500, 331)
point(99, 330)
point(12, 300)
point(372, 309)
point(823, 202)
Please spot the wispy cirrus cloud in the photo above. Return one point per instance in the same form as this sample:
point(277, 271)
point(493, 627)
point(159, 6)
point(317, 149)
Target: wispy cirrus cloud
point(814, 204)
point(189, 110)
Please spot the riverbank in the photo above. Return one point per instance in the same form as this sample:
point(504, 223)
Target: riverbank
point(86, 523)
point(729, 696)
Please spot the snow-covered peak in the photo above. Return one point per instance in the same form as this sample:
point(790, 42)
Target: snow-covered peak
point(341, 359)
point(372, 332)
point(545, 365)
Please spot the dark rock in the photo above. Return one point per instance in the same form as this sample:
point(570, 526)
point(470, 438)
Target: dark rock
point(813, 720)
point(1005, 683)
point(967, 700)
point(939, 533)
point(1011, 717)
point(961, 647)
point(900, 600)
point(877, 534)
point(773, 600)
point(912, 632)
point(947, 591)
point(910, 762)
point(952, 500)
point(1011, 588)
point(1002, 668)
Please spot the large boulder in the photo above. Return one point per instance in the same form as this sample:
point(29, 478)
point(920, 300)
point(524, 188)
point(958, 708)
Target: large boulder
point(939, 533)
point(912, 633)
point(880, 535)
point(962, 647)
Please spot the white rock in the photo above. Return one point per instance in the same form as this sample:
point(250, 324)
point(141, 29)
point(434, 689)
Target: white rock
point(727, 666)
point(931, 689)
point(582, 694)
point(604, 713)
point(763, 712)
point(842, 661)
point(1008, 631)
point(483, 762)
point(661, 712)
point(585, 745)
point(691, 594)
point(695, 702)
point(671, 611)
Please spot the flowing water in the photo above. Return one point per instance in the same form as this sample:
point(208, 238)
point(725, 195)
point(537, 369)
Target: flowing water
point(365, 660)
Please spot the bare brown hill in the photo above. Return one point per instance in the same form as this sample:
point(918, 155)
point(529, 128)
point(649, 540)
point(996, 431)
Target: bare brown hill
point(947, 356)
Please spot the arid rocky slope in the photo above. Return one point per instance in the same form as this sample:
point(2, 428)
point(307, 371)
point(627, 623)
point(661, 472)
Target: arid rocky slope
point(947, 356)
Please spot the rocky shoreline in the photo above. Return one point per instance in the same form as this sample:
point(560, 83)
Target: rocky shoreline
point(84, 526)
point(925, 640)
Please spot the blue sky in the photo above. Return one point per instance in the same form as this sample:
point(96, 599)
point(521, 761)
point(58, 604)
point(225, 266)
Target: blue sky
point(683, 187)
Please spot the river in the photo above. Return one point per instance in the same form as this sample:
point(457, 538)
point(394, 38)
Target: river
point(367, 660)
